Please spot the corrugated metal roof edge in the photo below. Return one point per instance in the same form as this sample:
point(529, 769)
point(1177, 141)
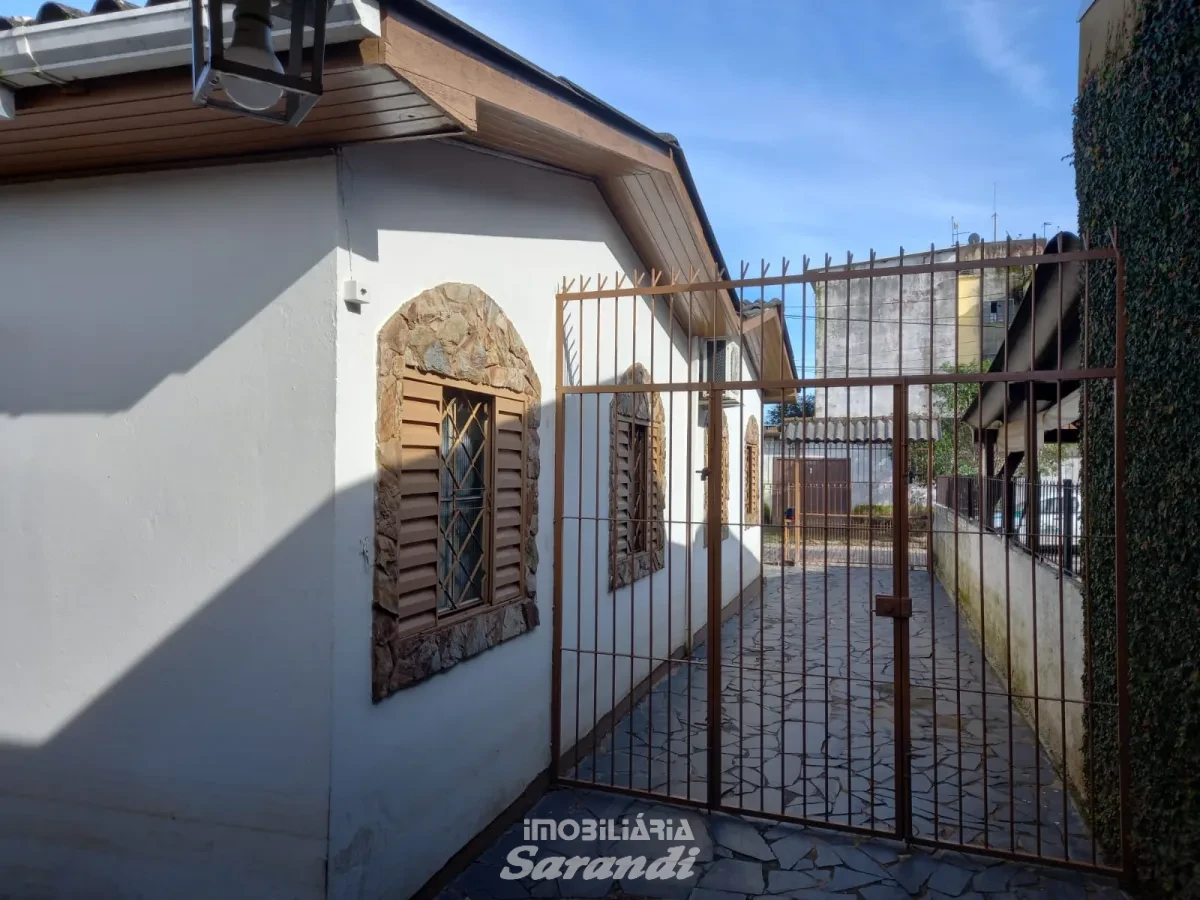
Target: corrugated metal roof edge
point(61, 12)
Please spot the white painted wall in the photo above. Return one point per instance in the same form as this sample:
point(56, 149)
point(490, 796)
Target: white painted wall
point(1022, 591)
point(166, 462)
point(651, 618)
point(418, 775)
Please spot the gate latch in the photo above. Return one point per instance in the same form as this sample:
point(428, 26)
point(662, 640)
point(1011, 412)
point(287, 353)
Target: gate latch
point(703, 473)
point(894, 607)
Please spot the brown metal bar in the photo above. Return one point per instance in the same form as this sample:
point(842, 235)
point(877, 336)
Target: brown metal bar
point(579, 532)
point(1033, 516)
point(688, 535)
point(1006, 536)
point(595, 556)
point(929, 545)
point(713, 530)
point(741, 632)
point(818, 275)
point(900, 662)
point(1062, 559)
point(1121, 573)
point(669, 451)
point(1040, 376)
point(629, 532)
point(825, 534)
point(762, 646)
point(612, 777)
point(560, 423)
point(849, 507)
point(871, 532)
point(1085, 547)
point(987, 831)
point(782, 550)
point(801, 514)
point(957, 617)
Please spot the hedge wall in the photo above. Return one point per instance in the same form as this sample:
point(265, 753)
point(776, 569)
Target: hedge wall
point(1137, 162)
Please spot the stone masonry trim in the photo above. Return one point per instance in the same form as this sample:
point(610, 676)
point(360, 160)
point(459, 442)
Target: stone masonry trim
point(455, 331)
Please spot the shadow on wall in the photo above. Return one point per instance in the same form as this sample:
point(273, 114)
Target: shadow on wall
point(203, 768)
point(112, 285)
point(104, 300)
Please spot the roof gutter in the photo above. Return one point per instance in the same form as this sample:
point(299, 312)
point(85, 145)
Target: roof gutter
point(139, 40)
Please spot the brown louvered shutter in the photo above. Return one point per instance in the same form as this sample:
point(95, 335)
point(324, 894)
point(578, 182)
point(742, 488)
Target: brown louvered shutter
point(620, 540)
point(417, 547)
point(510, 522)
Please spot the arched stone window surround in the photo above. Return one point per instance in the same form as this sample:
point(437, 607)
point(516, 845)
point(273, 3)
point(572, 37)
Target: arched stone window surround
point(452, 339)
point(751, 465)
point(636, 534)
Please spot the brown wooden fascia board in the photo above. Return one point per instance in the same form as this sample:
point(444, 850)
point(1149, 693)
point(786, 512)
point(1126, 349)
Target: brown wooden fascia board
point(446, 74)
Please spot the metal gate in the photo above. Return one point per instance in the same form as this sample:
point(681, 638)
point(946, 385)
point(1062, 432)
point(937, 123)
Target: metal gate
point(900, 664)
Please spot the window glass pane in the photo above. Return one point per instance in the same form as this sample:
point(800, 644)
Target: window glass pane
point(464, 517)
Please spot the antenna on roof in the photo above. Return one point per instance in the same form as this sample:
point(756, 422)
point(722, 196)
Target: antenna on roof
point(995, 231)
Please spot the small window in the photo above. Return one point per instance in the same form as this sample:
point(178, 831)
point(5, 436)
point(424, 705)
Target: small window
point(640, 472)
point(637, 485)
point(750, 474)
point(464, 517)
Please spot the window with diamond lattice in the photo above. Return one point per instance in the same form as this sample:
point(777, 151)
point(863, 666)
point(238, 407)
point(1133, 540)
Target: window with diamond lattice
point(464, 500)
point(638, 526)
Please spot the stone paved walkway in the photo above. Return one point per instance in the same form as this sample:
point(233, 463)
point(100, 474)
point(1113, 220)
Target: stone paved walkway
point(808, 733)
point(743, 858)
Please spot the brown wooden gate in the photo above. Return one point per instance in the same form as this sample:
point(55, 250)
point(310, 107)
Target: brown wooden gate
point(942, 727)
point(823, 487)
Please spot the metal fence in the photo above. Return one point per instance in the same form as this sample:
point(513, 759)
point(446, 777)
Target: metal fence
point(1007, 506)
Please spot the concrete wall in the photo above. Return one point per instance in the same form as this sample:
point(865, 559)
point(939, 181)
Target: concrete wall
point(1032, 596)
point(166, 463)
point(878, 335)
point(418, 775)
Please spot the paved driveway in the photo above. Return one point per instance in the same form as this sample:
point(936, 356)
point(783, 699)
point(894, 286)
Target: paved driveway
point(808, 712)
point(737, 858)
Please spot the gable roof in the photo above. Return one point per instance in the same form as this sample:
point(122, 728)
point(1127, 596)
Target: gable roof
point(110, 91)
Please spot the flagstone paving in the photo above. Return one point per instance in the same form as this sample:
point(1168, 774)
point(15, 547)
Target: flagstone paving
point(741, 858)
point(808, 712)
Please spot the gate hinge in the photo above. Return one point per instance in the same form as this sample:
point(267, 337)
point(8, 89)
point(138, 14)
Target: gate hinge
point(894, 607)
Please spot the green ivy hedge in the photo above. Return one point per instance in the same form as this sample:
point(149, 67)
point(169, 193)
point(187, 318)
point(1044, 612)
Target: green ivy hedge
point(1137, 163)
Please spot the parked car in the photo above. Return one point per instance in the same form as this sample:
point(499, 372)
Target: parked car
point(998, 516)
point(1051, 524)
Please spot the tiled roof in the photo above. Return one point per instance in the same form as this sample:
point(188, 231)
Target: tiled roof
point(60, 12)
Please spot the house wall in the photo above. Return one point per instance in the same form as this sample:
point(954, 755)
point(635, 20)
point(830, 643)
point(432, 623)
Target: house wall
point(637, 627)
point(166, 463)
point(1019, 590)
point(419, 774)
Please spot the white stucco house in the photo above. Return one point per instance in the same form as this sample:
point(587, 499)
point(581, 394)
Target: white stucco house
point(247, 581)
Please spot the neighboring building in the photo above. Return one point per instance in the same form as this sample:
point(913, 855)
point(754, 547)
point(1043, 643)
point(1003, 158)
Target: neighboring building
point(278, 450)
point(873, 334)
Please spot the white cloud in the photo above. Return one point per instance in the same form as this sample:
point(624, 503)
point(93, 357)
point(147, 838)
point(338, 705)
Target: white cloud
point(996, 36)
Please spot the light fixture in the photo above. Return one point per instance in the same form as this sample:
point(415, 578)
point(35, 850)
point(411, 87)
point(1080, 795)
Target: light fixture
point(251, 45)
point(247, 77)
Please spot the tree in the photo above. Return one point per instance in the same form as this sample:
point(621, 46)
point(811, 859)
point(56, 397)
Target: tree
point(805, 407)
point(944, 407)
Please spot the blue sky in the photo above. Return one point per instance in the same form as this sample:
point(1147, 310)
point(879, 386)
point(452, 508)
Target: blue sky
point(816, 127)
